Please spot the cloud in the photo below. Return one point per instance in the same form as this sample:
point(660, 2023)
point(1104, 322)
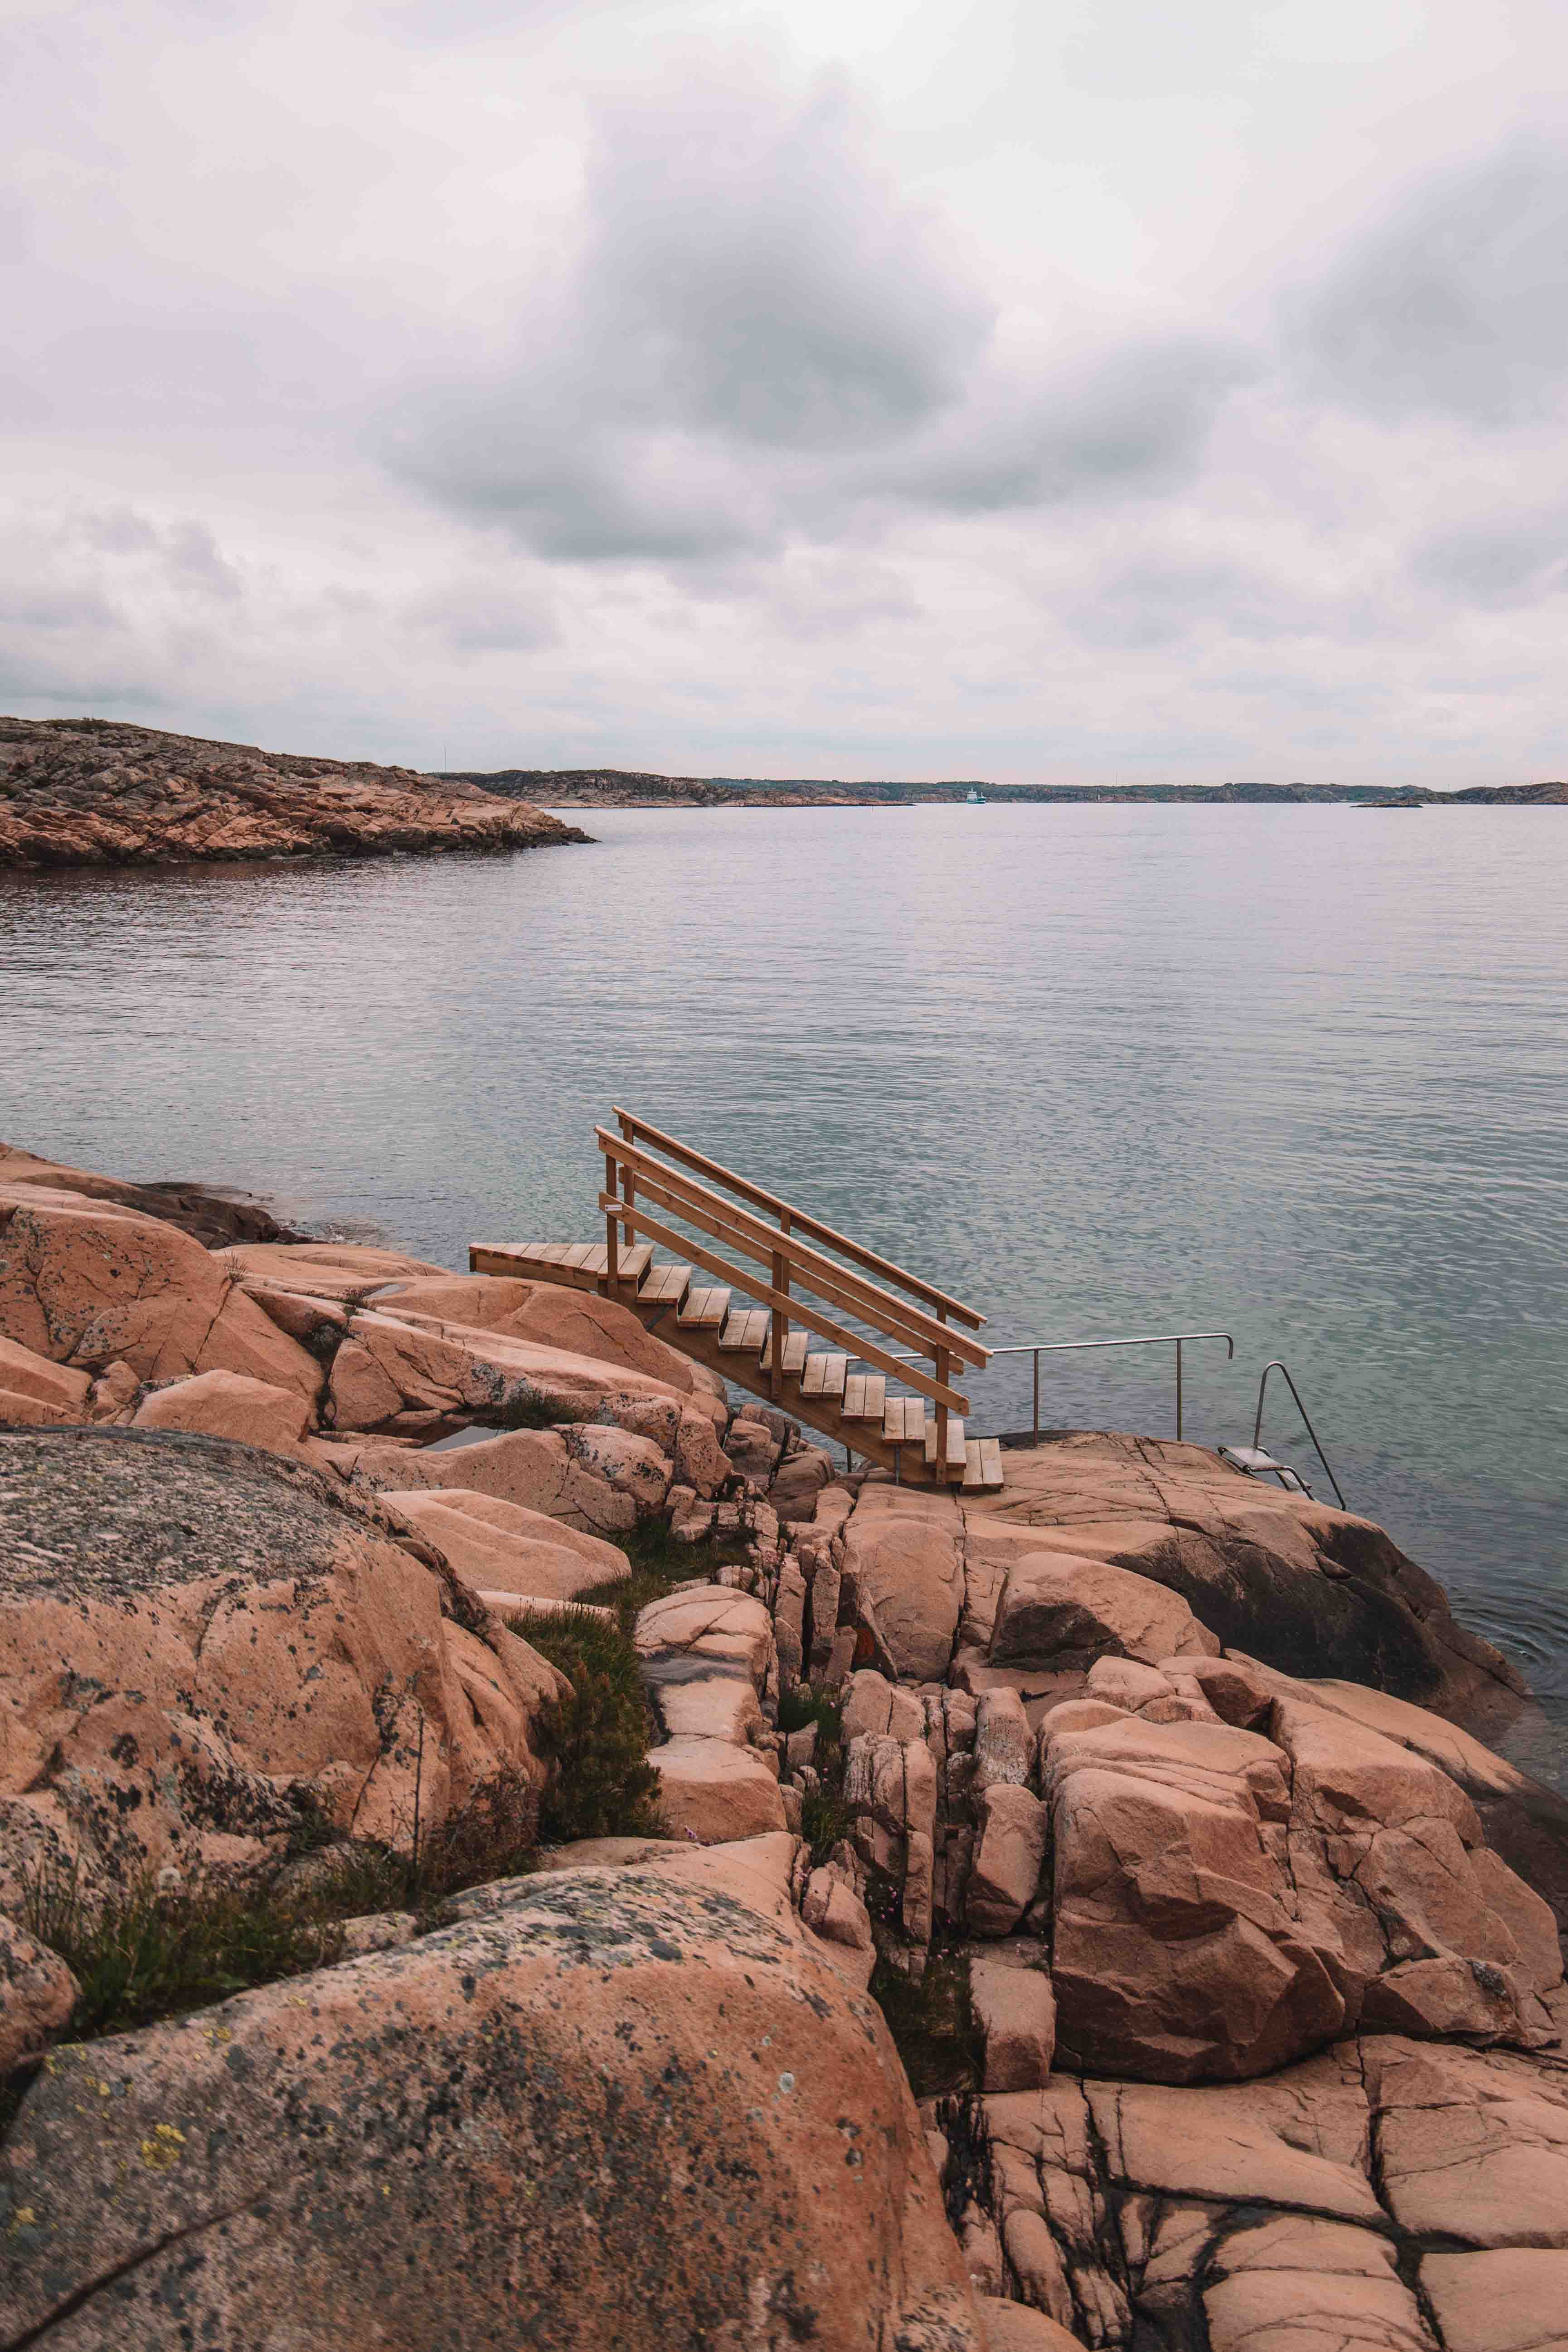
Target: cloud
point(1503, 561)
point(757, 337)
point(1458, 305)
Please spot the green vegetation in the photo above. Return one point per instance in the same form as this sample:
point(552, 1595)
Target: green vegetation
point(523, 1411)
point(825, 1818)
point(659, 1562)
point(143, 1952)
point(602, 1784)
point(932, 2024)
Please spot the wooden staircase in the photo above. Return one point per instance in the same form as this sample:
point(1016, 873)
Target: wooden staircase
point(805, 1282)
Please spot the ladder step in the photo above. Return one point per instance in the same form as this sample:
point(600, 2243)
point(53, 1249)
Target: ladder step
point(824, 1376)
point(864, 1396)
point(794, 1354)
point(955, 1444)
point(704, 1310)
point(746, 1328)
point(633, 1263)
point(904, 1420)
point(981, 1464)
point(666, 1286)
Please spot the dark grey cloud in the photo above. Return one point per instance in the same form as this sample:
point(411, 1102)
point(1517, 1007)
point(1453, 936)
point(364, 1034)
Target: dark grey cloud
point(757, 337)
point(1456, 305)
point(1132, 421)
point(1506, 561)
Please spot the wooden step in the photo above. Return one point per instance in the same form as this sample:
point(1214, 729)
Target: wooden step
point(795, 1348)
point(633, 1263)
point(824, 1376)
point(704, 1310)
point(904, 1420)
point(864, 1396)
point(982, 1464)
point(746, 1328)
point(956, 1450)
point(666, 1286)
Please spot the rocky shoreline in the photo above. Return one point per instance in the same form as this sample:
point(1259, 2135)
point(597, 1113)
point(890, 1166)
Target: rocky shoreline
point(1085, 1913)
point(97, 791)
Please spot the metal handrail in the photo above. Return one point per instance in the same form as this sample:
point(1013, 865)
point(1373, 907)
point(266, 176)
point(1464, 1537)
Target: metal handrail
point(1178, 1339)
point(1276, 1364)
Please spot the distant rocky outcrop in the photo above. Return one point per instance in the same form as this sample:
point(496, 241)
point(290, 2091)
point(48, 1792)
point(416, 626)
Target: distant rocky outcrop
point(632, 788)
point(97, 791)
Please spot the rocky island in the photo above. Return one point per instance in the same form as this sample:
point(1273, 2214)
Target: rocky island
point(501, 1846)
point(97, 791)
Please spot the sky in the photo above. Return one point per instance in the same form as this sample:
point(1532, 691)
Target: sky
point(1081, 391)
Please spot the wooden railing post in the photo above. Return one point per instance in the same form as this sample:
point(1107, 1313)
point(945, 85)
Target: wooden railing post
point(612, 1236)
point(780, 1329)
point(940, 1362)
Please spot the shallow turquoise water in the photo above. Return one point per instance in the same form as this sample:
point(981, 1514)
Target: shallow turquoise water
point(1298, 1073)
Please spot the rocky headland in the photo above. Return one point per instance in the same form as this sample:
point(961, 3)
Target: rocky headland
point(499, 1846)
point(97, 791)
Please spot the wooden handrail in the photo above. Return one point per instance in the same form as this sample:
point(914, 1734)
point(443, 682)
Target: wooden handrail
point(631, 1127)
point(779, 1259)
point(864, 1350)
point(822, 1275)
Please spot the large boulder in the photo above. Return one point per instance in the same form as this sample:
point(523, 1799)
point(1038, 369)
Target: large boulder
point(602, 1480)
point(901, 1550)
point(1225, 1902)
point(638, 2100)
point(37, 1391)
point(388, 1366)
point(1311, 1590)
point(580, 1323)
point(213, 1218)
point(204, 1648)
point(1055, 1609)
point(711, 1792)
point(88, 1284)
point(227, 1405)
point(347, 1272)
point(498, 1547)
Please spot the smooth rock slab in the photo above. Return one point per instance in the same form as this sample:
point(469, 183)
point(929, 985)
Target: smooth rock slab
point(1506, 2301)
point(901, 1552)
point(1015, 2011)
point(713, 1792)
point(495, 1544)
point(228, 1404)
point(1052, 1603)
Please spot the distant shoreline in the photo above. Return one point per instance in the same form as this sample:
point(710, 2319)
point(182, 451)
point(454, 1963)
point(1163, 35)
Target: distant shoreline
point(610, 788)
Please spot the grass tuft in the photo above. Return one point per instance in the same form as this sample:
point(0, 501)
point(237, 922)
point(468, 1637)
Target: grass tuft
point(142, 1953)
point(602, 1784)
point(932, 2025)
point(522, 1413)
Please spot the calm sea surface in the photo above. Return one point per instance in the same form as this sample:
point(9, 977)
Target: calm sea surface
point(1299, 1074)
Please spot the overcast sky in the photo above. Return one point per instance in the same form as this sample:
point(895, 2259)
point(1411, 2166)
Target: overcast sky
point(1087, 390)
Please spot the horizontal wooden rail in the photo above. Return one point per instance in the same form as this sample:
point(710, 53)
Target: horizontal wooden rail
point(629, 1215)
point(823, 1277)
point(631, 1127)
